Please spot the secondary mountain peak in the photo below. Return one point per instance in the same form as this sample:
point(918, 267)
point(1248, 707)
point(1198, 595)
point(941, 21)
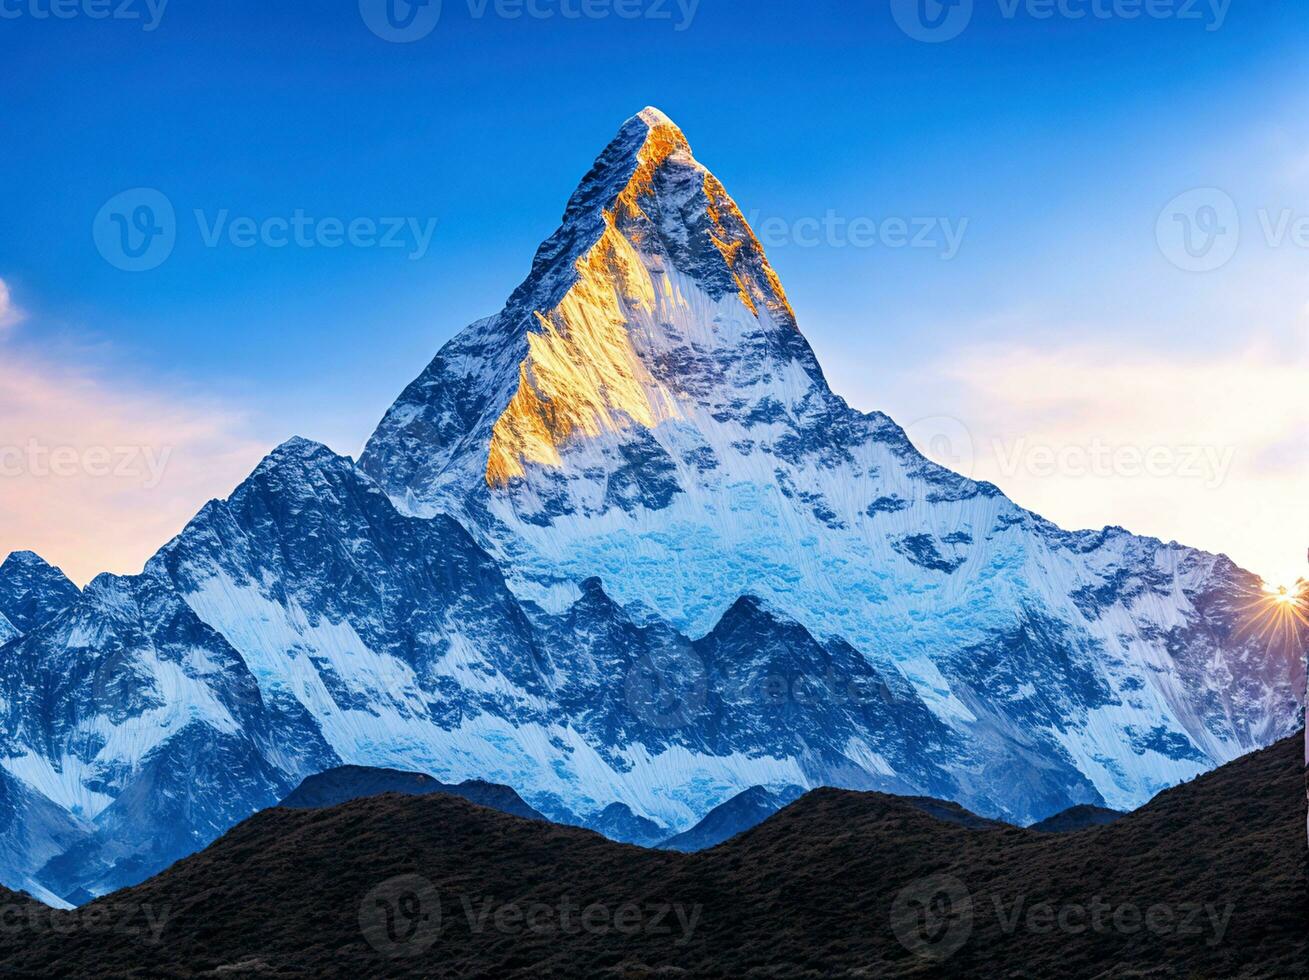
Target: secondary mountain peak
point(32, 591)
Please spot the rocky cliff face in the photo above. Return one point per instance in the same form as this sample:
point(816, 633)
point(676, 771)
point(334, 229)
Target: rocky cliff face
point(645, 411)
point(32, 592)
point(620, 544)
point(305, 622)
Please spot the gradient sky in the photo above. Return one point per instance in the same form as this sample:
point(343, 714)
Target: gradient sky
point(1059, 353)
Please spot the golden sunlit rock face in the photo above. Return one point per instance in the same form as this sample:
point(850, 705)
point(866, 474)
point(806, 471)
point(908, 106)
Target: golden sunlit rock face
point(751, 291)
point(582, 375)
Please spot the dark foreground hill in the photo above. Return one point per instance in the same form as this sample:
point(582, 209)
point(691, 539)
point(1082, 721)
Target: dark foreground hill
point(1207, 881)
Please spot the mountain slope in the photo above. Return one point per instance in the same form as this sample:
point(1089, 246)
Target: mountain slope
point(304, 623)
point(1076, 818)
point(645, 411)
point(619, 823)
point(620, 544)
point(743, 811)
point(32, 831)
point(1219, 861)
point(134, 716)
point(32, 591)
point(345, 783)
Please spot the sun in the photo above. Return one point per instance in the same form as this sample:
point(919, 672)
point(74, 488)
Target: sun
point(1282, 595)
point(1278, 615)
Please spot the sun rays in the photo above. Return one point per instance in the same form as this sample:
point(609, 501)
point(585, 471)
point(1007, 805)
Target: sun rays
point(1279, 616)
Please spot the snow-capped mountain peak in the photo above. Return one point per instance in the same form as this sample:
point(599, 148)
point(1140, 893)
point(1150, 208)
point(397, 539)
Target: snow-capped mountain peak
point(645, 411)
point(621, 544)
point(32, 591)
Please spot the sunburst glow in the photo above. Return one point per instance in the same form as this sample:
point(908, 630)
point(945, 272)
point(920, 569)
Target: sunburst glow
point(1279, 615)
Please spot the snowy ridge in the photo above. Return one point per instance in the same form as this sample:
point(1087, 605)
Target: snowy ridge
point(645, 411)
point(621, 545)
point(32, 592)
point(305, 623)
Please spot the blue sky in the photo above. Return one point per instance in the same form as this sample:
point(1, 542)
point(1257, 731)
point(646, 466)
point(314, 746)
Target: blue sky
point(1052, 142)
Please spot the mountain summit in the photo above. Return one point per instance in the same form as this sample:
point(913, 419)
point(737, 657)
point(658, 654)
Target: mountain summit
point(645, 410)
point(620, 545)
point(592, 343)
point(31, 591)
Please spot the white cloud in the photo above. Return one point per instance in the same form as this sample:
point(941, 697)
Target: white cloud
point(97, 474)
point(1210, 450)
point(9, 313)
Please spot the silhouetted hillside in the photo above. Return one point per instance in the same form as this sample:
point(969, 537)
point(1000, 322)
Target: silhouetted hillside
point(1207, 881)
